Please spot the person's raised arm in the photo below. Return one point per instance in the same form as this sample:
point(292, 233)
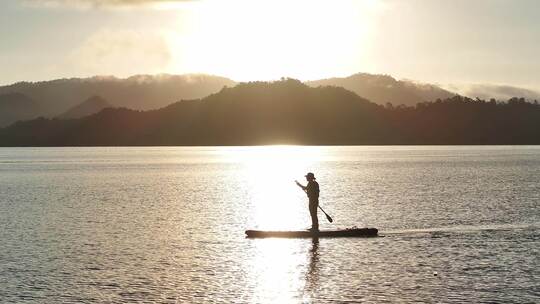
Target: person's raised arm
point(300, 185)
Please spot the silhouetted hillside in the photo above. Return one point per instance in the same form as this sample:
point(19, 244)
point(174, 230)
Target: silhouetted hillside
point(90, 106)
point(461, 120)
point(17, 106)
point(383, 89)
point(250, 113)
point(145, 92)
point(289, 112)
point(141, 92)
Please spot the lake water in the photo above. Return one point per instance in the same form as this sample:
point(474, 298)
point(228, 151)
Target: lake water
point(166, 225)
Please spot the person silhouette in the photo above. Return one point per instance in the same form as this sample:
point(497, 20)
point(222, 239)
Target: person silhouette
point(312, 191)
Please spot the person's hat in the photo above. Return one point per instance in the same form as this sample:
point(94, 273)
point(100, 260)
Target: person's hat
point(310, 175)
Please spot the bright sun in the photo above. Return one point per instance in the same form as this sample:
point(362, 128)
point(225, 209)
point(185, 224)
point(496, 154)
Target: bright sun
point(264, 40)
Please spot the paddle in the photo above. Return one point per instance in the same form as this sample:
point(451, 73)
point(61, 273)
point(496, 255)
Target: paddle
point(327, 216)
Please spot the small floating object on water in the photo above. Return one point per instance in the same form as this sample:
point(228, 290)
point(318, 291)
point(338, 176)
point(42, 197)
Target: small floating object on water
point(435, 273)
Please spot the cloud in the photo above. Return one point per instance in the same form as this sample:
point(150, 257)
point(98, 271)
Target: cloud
point(122, 52)
point(499, 92)
point(86, 4)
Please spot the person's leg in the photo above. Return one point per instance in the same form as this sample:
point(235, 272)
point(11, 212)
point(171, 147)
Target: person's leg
point(313, 212)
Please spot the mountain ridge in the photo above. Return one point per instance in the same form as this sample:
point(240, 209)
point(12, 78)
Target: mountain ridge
point(289, 112)
point(17, 106)
point(383, 89)
point(142, 92)
point(90, 106)
point(145, 92)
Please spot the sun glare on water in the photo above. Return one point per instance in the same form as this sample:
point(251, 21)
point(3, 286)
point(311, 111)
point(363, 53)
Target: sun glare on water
point(276, 203)
point(270, 171)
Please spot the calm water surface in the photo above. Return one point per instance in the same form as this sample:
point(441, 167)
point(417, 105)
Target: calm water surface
point(166, 225)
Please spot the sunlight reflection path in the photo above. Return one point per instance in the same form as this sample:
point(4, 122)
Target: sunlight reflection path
point(278, 268)
point(276, 203)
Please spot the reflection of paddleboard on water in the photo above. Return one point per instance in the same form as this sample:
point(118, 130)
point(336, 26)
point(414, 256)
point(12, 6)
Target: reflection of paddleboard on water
point(349, 232)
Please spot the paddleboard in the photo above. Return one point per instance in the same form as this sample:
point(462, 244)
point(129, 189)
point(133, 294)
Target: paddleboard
point(349, 232)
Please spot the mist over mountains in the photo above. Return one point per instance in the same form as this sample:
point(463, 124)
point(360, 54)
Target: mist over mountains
point(146, 92)
point(383, 89)
point(498, 92)
point(289, 112)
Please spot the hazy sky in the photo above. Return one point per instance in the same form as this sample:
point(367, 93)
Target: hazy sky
point(440, 41)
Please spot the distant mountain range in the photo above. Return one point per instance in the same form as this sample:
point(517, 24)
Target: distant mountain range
point(63, 97)
point(289, 112)
point(383, 89)
point(90, 106)
point(142, 92)
point(17, 106)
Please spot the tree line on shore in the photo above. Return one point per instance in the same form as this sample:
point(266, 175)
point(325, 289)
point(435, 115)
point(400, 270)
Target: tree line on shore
point(290, 112)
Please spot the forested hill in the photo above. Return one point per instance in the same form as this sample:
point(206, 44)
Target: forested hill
point(289, 112)
point(383, 89)
point(141, 92)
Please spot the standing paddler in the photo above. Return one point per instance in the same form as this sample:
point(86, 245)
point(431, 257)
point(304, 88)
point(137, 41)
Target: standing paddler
point(312, 191)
